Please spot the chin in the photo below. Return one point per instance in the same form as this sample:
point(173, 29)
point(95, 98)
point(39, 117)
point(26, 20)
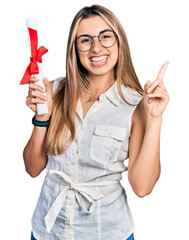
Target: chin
point(99, 72)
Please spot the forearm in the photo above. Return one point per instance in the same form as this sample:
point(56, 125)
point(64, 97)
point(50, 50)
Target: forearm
point(146, 168)
point(34, 154)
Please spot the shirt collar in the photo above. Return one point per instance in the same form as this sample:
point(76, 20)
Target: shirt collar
point(112, 94)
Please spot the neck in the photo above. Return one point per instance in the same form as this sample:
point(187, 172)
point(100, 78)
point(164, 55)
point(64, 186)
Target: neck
point(99, 84)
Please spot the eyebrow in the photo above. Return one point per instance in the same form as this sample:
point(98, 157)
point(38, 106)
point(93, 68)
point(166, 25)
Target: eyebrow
point(87, 35)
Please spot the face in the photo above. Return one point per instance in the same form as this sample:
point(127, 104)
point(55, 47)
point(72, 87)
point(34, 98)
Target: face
point(98, 60)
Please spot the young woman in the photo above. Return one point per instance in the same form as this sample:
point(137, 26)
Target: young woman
point(99, 116)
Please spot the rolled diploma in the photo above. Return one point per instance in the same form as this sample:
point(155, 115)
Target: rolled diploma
point(42, 108)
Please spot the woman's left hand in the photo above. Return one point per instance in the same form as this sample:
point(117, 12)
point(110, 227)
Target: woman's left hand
point(155, 95)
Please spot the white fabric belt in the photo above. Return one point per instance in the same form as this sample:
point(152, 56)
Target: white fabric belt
point(81, 190)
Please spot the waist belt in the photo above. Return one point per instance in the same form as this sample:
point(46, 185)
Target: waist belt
point(84, 189)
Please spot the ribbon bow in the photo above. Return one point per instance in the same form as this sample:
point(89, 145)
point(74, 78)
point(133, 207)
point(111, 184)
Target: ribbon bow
point(36, 55)
point(84, 192)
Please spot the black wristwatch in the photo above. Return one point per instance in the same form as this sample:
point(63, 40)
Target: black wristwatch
point(37, 123)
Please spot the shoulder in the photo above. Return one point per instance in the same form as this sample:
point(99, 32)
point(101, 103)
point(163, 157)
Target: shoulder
point(131, 95)
point(55, 83)
point(139, 117)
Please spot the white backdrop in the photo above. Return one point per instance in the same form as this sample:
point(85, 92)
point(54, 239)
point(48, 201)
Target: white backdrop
point(157, 31)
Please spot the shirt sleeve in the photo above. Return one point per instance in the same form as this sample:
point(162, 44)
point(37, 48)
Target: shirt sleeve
point(133, 97)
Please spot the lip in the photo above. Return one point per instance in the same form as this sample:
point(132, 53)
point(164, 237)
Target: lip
point(98, 64)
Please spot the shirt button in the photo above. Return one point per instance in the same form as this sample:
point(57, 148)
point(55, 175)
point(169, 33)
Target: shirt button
point(73, 162)
point(102, 98)
point(67, 222)
point(70, 204)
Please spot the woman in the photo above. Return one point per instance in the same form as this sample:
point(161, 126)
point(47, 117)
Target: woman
point(99, 115)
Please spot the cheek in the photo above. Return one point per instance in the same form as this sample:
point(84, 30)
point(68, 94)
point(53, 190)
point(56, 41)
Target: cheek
point(82, 58)
point(115, 52)
point(115, 55)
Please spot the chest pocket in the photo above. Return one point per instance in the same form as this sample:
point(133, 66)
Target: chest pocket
point(106, 143)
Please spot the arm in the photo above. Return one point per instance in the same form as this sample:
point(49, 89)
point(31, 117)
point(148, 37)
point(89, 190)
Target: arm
point(144, 152)
point(144, 148)
point(35, 158)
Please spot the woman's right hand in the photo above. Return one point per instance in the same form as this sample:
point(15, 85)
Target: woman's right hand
point(31, 100)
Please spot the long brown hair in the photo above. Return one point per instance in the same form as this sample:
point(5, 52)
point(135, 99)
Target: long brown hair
point(62, 128)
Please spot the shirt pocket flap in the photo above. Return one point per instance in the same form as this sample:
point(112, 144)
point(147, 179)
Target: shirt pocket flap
point(118, 133)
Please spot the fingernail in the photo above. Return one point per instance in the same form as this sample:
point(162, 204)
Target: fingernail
point(149, 89)
point(149, 100)
point(43, 90)
point(36, 79)
point(149, 95)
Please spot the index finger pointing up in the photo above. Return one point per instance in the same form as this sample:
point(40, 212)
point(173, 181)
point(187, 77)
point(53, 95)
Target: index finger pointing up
point(162, 71)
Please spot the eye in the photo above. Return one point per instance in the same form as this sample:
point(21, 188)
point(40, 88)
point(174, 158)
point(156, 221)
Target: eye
point(85, 40)
point(106, 36)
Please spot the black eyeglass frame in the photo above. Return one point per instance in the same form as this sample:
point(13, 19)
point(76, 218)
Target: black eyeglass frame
point(87, 35)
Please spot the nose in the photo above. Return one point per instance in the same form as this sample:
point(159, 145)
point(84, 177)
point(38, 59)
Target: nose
point(96, 47)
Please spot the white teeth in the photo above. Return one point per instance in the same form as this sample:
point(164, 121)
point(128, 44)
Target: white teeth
point(99, 59)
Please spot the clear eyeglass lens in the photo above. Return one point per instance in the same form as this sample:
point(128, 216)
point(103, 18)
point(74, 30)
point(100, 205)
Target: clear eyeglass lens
point(84, 43)
point(107, 39)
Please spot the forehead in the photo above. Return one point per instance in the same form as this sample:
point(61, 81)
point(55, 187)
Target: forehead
point(92, 26)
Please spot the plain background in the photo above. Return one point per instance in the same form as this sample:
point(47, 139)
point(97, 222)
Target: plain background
point(157, 31)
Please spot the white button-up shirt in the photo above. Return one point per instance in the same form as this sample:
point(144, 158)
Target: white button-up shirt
point(82, 197)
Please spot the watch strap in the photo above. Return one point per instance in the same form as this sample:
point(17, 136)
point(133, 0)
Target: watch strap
point(37, 123)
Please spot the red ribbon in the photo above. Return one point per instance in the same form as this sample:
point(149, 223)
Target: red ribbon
point(36, 55)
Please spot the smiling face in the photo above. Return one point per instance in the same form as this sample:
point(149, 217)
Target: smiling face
point(98, 60)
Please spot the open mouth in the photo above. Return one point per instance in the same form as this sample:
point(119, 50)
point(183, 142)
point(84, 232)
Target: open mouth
point(99, 61)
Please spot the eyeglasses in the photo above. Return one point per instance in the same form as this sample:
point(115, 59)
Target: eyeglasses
point(107, 39)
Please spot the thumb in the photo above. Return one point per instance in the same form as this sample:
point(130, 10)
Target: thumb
point(47, 85)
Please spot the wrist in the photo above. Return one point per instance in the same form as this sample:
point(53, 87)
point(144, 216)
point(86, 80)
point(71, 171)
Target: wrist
point(153, 120)
point(45, 117)
point(39, 123)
